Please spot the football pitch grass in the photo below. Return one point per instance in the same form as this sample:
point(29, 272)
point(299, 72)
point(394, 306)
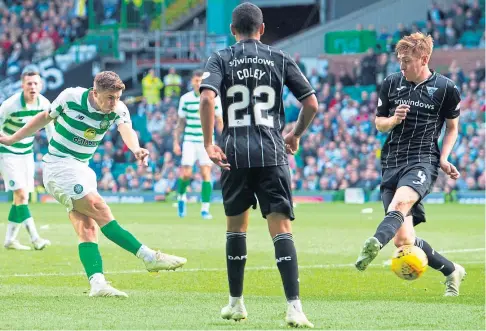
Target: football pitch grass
point(48, 289)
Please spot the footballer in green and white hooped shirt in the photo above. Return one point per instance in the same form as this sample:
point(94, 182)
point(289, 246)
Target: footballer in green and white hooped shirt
point(193, 149)
point(82, 117)
point(17, 160)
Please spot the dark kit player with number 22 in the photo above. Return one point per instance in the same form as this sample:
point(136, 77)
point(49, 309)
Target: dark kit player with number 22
point(250, 77)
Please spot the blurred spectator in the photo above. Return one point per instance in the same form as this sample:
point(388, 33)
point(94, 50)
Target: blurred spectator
point(173, 84)
point(300, 64)
point(151, 87)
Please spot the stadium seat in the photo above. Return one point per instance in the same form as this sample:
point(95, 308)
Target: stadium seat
point(470, 39)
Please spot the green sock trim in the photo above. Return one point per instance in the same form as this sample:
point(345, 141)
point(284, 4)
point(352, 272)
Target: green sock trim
point(182, 185)
point(23, 213)
point(12, 215)
point(121, 237)
point(206, 192)
point(90, 257)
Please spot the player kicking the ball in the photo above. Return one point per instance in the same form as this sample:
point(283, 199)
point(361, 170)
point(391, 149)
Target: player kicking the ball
point(17, 161)
point(82, 117)
point(413, 106)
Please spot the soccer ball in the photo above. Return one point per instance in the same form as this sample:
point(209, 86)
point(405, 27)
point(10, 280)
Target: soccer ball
point(409, 262)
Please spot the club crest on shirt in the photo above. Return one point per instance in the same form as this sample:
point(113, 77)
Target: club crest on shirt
point(431, 90)
point(104, 124)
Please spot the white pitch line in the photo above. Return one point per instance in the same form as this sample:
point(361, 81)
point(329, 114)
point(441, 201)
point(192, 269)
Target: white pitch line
point(466, 250)
point(139, 271)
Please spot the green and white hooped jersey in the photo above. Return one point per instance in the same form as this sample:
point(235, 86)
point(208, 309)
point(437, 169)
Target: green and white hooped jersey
point(189, 109)
point(79, 128)
point(14, 114)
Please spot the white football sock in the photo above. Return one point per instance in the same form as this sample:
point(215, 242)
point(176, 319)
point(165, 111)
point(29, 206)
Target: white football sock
point(31, 229)
point(146, 254)
point(12, 231)
point(205, 206)
point(97, 278)
point(234, 300)
point(297, 304)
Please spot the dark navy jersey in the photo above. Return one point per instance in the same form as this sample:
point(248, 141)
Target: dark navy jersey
point(416, 138)
point(250, 77)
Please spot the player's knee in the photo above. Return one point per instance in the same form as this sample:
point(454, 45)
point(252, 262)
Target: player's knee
point(20, 197)
point(401, 240)
point(403, 205)
point(100, 206)
point(186, 173)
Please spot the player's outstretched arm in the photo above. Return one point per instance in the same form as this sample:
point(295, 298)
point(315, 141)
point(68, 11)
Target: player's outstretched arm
point(35, 124)
point(130, 138)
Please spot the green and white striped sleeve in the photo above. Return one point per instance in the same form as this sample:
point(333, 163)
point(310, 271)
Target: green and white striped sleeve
point(58, 106)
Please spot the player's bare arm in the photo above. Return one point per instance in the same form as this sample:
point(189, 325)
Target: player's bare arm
point(38, 122)
point(206, 111)
point(129, 137)
point(386, 124)
point(180, 125)
point(306, 115)
point(219, 124)
point(450, 137)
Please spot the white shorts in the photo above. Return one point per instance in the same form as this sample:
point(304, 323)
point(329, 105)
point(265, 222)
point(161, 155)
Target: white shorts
point(192, 151)
point(17, 171)
point(68, 179)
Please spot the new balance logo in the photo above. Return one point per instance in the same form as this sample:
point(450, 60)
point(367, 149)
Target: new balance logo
point(80, 117)
point(237, 258)
point(284, 258)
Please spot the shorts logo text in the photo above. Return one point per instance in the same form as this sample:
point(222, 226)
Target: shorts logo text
point(284, 258)
point(237, 258)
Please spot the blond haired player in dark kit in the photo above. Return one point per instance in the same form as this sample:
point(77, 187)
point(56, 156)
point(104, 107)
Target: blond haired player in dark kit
point(250, 76)
point(413, 106)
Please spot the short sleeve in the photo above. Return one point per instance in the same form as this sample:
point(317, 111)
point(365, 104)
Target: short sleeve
point(5, 109)
point(296, 81)
point(180, 112)
point(452, 102)
point(213, 74)
point(218, 108)
point(123, 115)
point(383, 107)
point(58, 105)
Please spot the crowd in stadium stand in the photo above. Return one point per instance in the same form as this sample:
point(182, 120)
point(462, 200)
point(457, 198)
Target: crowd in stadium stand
point(32, 30)
point(340, 150)
point(459, 26)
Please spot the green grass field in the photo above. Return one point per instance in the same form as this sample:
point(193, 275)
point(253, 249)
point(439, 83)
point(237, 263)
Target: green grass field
point(48, 290)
